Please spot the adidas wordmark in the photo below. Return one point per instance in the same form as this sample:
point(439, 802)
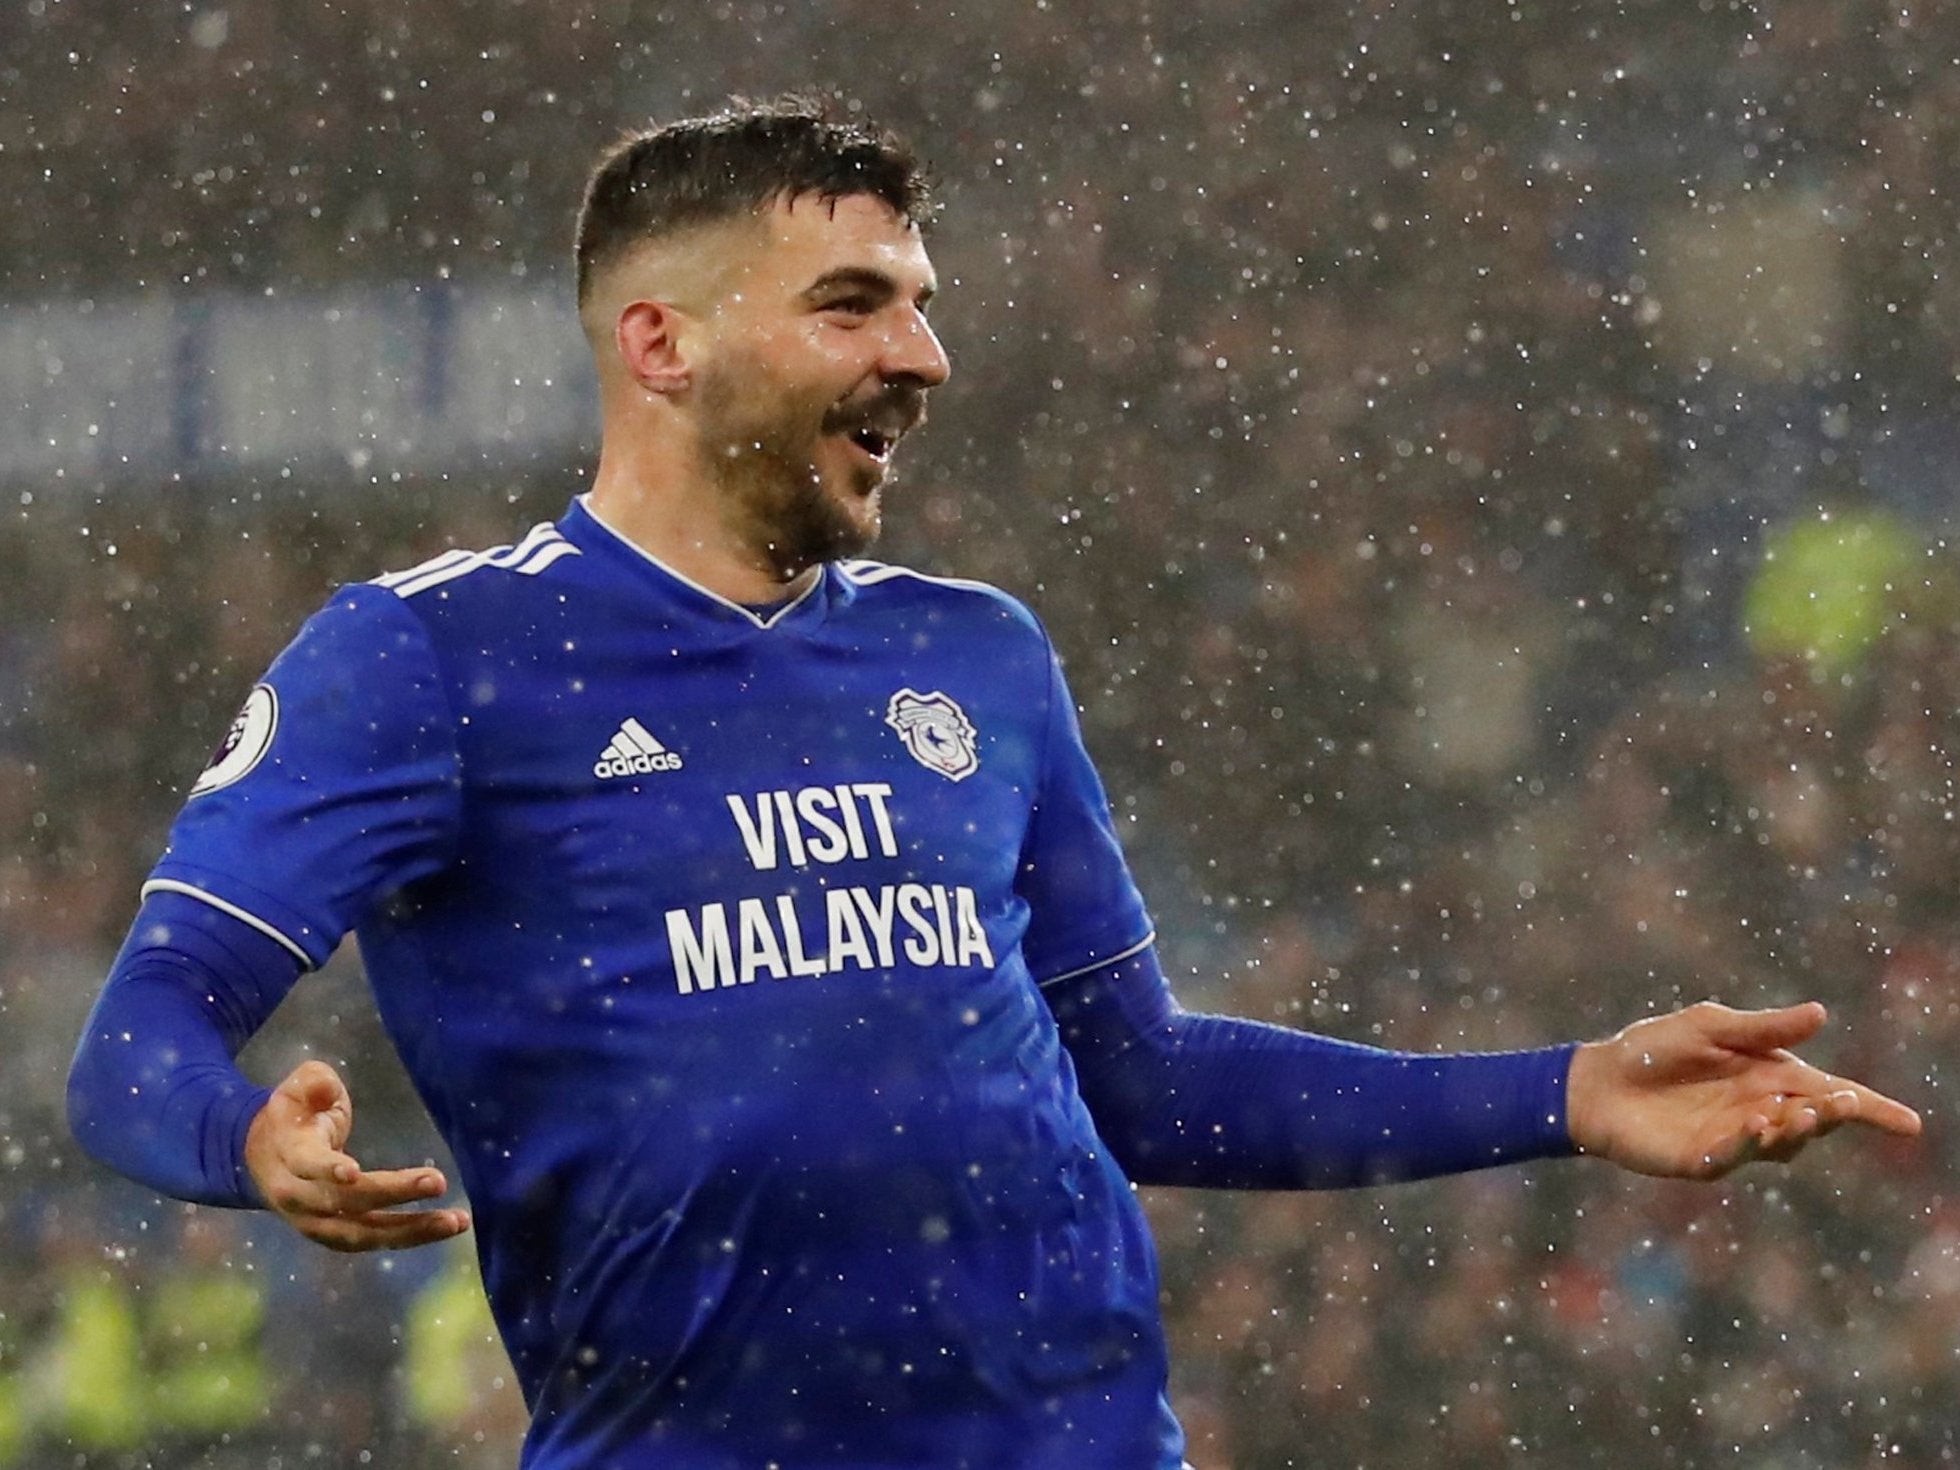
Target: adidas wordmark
point(634, 752)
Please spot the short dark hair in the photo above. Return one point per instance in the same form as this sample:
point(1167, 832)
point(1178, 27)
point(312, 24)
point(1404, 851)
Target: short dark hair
point(738, 161)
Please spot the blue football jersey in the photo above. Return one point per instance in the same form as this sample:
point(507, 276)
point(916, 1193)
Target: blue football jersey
point(713, 940)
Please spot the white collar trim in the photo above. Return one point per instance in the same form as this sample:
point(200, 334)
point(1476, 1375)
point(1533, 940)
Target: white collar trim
point(775, 617)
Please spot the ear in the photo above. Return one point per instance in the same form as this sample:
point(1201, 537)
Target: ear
point(647, 335)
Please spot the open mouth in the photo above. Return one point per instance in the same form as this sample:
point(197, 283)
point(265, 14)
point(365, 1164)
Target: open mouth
point(874, 442)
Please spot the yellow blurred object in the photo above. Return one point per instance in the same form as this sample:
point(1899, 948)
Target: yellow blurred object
point(207, 1370)
point(13, 1419)
point(1829, 588)
point(455, 1361)
point(99, 1403)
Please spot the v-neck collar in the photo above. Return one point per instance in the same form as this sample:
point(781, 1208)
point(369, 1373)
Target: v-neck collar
point(583, 526)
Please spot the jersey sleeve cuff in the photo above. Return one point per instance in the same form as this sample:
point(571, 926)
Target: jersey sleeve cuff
point(1551, 1069)
point(231, 1125)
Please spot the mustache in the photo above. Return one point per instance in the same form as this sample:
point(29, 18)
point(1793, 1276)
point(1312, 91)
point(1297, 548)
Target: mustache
point(899, 405)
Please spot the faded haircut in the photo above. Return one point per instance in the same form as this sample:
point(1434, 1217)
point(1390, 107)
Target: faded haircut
point(703, 170)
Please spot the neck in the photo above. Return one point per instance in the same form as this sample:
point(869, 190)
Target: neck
point(667, 505)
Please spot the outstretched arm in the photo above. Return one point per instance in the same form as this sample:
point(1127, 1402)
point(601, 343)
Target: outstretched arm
point(154, 1092)
point(1225, 1103)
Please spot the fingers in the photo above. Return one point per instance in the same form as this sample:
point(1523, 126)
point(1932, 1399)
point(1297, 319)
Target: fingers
point(364, 1213)
point(1788, 1122)
point(1780, 1134)
point(1886, 1113)
point(1840, 1100)
point(309, 1158)
point(380, 1189)
point(1774, 1134)
point(1758, 1031)
point(337, 1185)
point(386, 1230)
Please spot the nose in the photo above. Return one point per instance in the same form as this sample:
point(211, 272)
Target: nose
point(913, 351)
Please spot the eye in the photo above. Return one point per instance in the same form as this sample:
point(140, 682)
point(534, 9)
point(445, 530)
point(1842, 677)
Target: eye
point(851, 306)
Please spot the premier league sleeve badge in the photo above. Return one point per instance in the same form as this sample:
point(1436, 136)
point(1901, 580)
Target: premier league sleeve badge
point(245, 743)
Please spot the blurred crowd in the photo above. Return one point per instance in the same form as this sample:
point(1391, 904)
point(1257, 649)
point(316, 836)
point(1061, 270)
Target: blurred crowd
point(1490, 472)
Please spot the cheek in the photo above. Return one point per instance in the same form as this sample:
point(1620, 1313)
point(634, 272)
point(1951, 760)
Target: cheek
point(841, 356)
point(784, 384)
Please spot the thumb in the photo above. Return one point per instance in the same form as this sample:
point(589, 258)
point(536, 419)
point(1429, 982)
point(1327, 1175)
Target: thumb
point(319, 1091)
point(1760, 1031)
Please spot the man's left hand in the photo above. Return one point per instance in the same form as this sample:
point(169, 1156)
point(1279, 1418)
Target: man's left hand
point(1693, 1094)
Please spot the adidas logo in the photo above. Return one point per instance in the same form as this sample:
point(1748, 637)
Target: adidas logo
point(634, 752)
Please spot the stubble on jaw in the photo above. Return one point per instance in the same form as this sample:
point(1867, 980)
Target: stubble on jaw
point(771, 492)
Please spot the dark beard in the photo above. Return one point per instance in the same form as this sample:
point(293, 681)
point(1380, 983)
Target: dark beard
point(798, 526)
point(771, 488)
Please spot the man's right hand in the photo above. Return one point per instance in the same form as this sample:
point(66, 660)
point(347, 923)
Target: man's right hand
point(296, 1154)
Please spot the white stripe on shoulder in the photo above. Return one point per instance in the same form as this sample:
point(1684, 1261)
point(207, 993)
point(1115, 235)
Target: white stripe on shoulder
point(870, 573)
point(1138, 948)
point(171, 885)
point(434, 563)
point(551, 553)
point(528, 557)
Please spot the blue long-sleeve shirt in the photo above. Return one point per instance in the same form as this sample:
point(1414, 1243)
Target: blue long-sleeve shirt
point(1180, 1099)
point(780, 989)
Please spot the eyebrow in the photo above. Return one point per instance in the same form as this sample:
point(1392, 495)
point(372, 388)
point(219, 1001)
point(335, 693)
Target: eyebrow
point(862, 278)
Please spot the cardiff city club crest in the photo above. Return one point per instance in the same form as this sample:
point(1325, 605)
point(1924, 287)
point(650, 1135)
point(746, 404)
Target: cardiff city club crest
point(936, 731)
